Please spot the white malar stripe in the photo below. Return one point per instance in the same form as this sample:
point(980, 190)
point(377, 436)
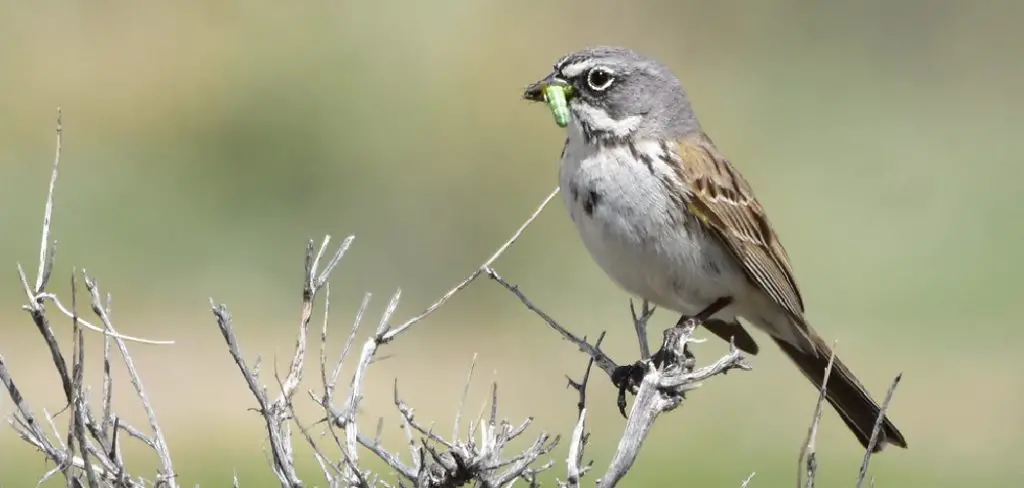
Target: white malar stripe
point(599, 120)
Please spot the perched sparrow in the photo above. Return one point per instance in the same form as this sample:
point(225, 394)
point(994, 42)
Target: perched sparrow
point(671, 220)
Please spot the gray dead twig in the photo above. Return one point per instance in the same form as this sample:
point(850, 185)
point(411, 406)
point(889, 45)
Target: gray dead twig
point(665, 376)
point(436, 462)
point(869, 451)
point(808, 452)
point(89, 454)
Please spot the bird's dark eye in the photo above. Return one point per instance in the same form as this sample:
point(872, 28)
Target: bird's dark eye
point(600, 79)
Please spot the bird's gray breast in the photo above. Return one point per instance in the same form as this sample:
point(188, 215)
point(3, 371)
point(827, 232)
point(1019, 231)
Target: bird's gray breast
point(629, 208)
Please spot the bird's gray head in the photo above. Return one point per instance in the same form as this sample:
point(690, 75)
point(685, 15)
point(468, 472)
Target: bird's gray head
point(617, 93)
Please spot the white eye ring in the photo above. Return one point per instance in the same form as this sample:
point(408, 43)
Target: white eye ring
point(600, 78)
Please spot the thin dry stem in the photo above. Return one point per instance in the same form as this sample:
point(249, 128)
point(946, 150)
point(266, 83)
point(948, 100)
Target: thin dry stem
point(877, 430)
point(162, 451)
point(808, 451)
point(640, 326)
point(600, 358)
point(46, 251)
point(394, 332)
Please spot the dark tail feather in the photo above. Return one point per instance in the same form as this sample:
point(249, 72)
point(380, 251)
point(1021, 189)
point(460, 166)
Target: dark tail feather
point(732, 331)
point(845, 393)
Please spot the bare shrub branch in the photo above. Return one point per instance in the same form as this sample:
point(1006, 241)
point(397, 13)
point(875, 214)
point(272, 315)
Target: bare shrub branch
point(666, 376)
point(89, 451)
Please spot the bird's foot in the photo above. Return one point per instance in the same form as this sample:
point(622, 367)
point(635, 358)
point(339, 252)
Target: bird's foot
point(673, 352)
point(628, 378)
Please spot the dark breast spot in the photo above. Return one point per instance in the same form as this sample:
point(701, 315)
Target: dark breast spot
point(590, 200)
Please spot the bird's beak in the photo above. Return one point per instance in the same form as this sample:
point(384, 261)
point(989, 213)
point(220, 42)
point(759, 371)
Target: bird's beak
point(535, 92)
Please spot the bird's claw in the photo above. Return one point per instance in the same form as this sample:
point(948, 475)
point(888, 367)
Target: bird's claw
point(627, 378)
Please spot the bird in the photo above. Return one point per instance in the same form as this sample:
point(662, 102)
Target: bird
point(666, 215)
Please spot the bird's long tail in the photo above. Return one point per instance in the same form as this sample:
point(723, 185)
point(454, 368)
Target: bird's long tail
point(850, 399)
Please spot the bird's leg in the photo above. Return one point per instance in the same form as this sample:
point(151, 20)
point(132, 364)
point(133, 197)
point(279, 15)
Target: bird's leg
point(628, 377)
point(708, 312)
point(662, 356)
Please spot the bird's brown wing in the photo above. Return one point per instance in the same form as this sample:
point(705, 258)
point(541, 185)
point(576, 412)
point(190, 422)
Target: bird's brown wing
point(725, 203)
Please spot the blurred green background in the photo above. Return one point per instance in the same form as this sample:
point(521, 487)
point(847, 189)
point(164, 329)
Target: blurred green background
point(206, 141)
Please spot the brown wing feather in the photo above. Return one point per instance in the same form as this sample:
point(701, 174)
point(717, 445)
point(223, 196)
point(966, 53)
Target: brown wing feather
point(724, 201)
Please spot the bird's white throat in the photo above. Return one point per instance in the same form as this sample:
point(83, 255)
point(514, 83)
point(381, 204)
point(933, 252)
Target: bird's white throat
point(597, 119)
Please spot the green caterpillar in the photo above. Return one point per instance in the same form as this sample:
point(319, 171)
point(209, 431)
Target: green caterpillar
point(555, 95)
